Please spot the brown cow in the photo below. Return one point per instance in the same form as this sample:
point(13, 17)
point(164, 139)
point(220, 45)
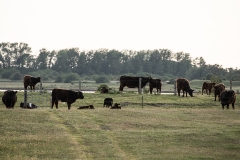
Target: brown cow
point(218, 89)
point(156, 83)
point(9, 98)
point(184, 85)
point(208, 87)
point(133, 82)
point(63, 95)
point(227, 97)
point(30, 81)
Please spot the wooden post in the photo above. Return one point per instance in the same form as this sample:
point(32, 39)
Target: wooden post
point(40, 84)
point(79, 85)
point(25, 97)
point(231, 84)
point(140, 84)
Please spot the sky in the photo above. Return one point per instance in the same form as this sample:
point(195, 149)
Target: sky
point(202, 28)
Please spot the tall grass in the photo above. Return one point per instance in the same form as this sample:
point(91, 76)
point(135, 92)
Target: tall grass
point(165, 127)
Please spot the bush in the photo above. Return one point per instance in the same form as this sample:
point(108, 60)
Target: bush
point(59, 79)
point(8, 72)
point(16, 76)
point(71, 77)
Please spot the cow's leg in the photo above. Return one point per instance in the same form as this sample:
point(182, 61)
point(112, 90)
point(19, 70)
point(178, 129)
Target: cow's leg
point(178, 90)
point(222, 106)
point(215, 97)
point(227, 106)
point(210, 91)
point(151, 90)
point(69, 105)
point(56, 104)
point(233, 105)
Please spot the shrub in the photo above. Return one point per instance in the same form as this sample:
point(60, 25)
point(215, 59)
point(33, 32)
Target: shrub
point(16, 76)
point(102, 79)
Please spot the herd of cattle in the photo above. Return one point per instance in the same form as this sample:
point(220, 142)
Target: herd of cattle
point(227, 97)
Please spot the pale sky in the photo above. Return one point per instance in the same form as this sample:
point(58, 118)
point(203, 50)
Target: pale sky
point(202, 28)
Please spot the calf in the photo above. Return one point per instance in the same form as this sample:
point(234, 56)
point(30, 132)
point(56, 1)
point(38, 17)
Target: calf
point(227, 97)
point(208, 87)
point(9, 98)
point(156, 83)
point(63, 95)
point(30, 81)
point(104, 90)
point(116, 106)
point(86, 107)
point(108, 102)
point(218, 89)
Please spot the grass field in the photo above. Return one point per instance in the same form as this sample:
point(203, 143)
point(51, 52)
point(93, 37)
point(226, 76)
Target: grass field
point(164, 127)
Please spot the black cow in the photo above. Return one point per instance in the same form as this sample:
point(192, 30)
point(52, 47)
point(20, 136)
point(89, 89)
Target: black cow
point(64, 95)
point(218, 90)
point(208, 87)
point(184, 85)
point(156, 83)
point(133, 82)
point(104, 90)
point(227, 97)
point(28, 105)
point(9, 98)
point(86, 107)
point(30, 81)
point(108, 102)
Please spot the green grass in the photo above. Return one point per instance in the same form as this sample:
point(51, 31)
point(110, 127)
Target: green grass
point(165, 127)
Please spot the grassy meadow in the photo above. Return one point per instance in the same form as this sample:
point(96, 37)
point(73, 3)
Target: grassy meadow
point(147, 127)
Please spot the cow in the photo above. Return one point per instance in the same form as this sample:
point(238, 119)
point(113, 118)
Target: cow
point(28, 105)
point(156, 83)
point(108, 102)
point(227, 97)
point(9, 98)
point(64, 95)
point(208, 87)
point(104, 90)
point(184, 85)
point(218, 88)
point(86, 107)
point(133, 82)
point(30, 81)
point(116, 106)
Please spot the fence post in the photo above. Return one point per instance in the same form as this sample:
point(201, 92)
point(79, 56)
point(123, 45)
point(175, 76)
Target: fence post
point(79, 85)
point(175, 87)
point(231, 84)
point(140, 84)
point(25, 97)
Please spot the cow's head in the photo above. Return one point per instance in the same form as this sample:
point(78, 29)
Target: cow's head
point(80, 95)
point(38, 79)
point(190, 91)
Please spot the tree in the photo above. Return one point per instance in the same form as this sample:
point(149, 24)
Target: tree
point(42, 59)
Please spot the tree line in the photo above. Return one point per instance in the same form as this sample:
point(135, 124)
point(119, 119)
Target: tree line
point(161, 62)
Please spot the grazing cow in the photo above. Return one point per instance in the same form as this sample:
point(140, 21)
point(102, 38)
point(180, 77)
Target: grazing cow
point(184, 85)
point(86, 107)
point(218, 89)
point(116, 106)
point(63, 95)
point(30, 81)
point(104, 90)
point(108, 102)
point(208, 87)
point(227, 97)
point(133, 82)
point(9, 98)
point(156, 83)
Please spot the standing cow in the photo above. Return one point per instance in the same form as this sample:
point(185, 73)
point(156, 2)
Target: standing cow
point(133, 82)
point(218, 89)
point(108, 102)
point(227, 97)
point(9, 98)
point(30, 81)
point(208, 87)
point(63, 95)
point(156, 83)
point(184, 85)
